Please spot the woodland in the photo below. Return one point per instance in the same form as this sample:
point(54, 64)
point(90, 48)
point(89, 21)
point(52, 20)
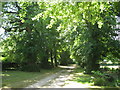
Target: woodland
point(44, 35)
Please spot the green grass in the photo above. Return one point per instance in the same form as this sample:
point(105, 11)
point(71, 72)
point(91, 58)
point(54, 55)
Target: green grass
point(80, 77)
point(20, 79)
point(88, 79)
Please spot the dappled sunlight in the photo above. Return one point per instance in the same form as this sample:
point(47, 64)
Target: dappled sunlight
point(6, 87)
point(72, 84)
point(68, 67)
point(4, 75)
point(82, 78)
point(47, 73)
point(71, 80)
point(79, 73)
point(60, 44)
point(67, 79)
point(77, 79)
point(28, 81)
point(59, 81)
point(17, 79)
point(115, 67)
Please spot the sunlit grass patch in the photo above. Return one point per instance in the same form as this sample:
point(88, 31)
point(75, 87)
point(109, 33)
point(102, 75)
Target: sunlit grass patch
point(83, 79)
point(80, 77)
point(95, 80)
point(20, 79)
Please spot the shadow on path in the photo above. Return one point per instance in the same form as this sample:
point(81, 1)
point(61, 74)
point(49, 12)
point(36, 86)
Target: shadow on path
point(56, 80)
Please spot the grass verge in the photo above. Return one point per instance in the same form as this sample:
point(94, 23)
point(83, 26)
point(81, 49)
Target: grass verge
point(20, 79)
point(90, 79)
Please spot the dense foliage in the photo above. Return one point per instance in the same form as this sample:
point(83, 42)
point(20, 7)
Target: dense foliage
point(46, 34)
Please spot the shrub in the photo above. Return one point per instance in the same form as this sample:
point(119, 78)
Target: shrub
point(99, 81)
point(117, 83)
point(103, 79)
point(31, 68)
point(65, 58)
point(98, 73)
point(9, 65)
point(108, 77)
point(46, 65)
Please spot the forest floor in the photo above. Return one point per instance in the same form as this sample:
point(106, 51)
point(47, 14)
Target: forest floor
point(62, 79)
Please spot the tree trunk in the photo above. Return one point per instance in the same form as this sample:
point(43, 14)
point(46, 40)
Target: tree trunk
point(51, 56)
point(55, 57)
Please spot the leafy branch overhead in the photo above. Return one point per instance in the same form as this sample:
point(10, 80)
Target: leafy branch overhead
point(49, 33)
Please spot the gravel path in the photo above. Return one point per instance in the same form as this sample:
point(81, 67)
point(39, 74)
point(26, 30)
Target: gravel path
point(61, 79)
point(56, 80)
point(43, 81)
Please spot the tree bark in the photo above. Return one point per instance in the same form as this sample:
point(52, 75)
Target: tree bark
point(51, 56)
point(55, 58)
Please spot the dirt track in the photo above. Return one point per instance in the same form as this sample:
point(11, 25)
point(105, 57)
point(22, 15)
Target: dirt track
point(61, 79)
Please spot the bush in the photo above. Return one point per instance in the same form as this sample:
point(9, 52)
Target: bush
point(65, 58)
point(98, 73)
point(46, 65)
point(70, 61)
point(109, 78)
point(99, 81)
point(31, 68)
point(9, 65)
point(103, 79)
point(118, 83)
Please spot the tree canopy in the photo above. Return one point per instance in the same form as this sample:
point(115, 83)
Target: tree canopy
point(48, 34)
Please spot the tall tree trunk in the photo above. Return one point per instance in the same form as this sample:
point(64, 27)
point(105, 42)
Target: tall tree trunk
point(44, 61)
point(55, 56)
point(51, 56)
